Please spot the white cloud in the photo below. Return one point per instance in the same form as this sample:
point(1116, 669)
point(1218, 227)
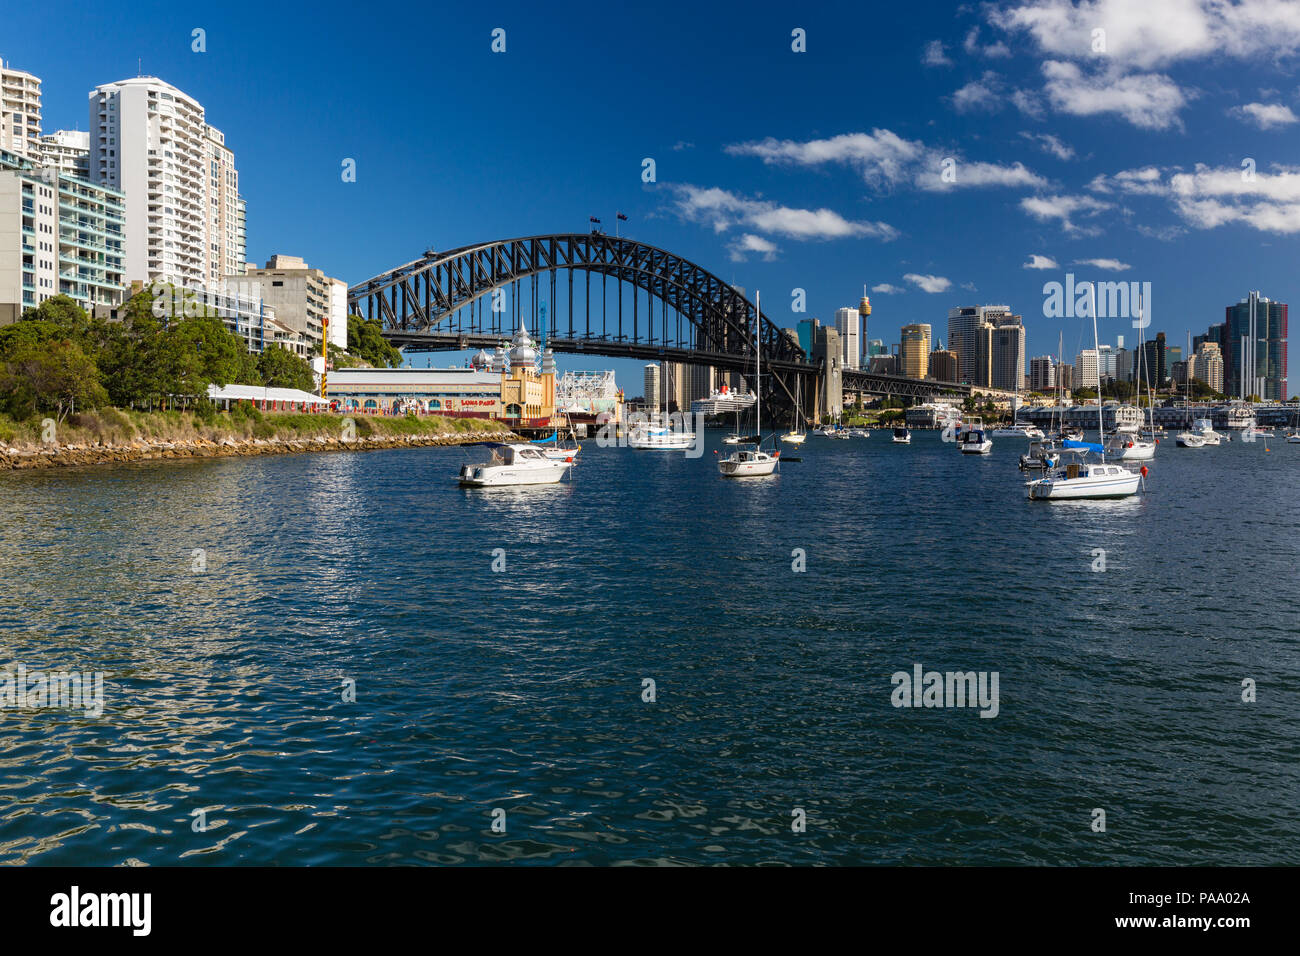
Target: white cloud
point(681, 145)
point(1144, 181)
point(1050, 144)
point(1148, 34)
point(928, 283)
point(981, 94)
point(1028, 103)
point(1209, 197)
point(1108, 265)
point(969, 286)
point(1265, 115)
point(749, 244)
point(1062, 208)
point(886, 288)
point(724, 210)
point(885, 159)
point(934, 55)
point(1148, 101)
point(1040, 262)
point(994, 50)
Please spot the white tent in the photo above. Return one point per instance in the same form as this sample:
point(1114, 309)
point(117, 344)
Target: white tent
point(264, 396)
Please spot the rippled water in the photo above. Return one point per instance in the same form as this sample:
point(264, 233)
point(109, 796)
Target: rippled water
point(522, 690)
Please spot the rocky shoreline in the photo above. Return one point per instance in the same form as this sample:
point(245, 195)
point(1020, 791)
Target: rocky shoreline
point(24, 457)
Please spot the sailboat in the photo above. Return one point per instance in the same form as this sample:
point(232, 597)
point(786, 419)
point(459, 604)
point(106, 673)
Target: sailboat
point(796, 435)
point(554, 450)
point(1079, 479)
point(754, 463)
point(1138, 448)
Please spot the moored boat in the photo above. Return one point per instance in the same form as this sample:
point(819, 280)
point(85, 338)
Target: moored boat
point(513, 464)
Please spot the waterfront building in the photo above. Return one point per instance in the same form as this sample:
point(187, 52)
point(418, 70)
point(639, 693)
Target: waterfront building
point(1042, 374)
point(914, 350)
point(594, 394)
point(59, 235)
point(1254, 348)
point(847, 324)
point(1085, 368)
point(151, 141)
point(519, 394)
point(304, 299)
point(20, 111)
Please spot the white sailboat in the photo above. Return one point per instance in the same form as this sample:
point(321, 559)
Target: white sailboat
point(796, 435)
point(753, 463)
point(1087, 480)
point(1137, 448)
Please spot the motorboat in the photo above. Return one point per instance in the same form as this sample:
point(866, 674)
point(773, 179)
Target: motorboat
point(1018, 431)
point(974, 441)
point(513, 464)
point(794, 437)
point(1132, 448)
point(1205, 428)
point(1293, 438)
point(1041, 456)
point(649, 437)
point(902, 436)
point(1190, 440)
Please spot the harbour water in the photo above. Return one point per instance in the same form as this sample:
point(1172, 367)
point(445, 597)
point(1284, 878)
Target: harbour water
point(229, 603)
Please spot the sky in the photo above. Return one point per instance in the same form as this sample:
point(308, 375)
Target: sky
point(939, 155)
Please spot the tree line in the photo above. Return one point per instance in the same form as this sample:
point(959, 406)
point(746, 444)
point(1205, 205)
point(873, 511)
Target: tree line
point(57, 359)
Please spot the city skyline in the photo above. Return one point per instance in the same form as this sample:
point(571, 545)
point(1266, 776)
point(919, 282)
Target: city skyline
point(1124, 164)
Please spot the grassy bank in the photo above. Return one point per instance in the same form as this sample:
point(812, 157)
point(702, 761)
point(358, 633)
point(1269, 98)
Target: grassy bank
point(114, 426)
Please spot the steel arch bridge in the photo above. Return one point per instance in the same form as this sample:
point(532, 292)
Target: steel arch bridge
point(476, 296)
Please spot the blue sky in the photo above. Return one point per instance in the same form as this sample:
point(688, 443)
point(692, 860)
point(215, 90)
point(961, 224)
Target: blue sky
point(819, 170)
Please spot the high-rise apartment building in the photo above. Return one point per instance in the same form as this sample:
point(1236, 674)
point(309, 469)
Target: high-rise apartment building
point(1209, 365)
point(20, 111)
point(651, 387)
point(914, 350)
point(184, 221)
point(1008, 358)
point(847, 325)
point(1085, 369)
point(66, 150)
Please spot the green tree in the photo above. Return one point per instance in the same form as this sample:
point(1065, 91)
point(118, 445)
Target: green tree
point(222, 356)
point(54, 375)
point(366, 342)
point(280, 368)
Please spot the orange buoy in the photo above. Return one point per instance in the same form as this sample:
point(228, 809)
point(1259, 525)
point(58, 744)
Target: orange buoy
point(1144, 471)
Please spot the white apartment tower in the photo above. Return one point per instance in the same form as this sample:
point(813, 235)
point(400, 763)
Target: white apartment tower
point(20, 111)
point(847, 324)
point(183, 218)
point(1086, 370)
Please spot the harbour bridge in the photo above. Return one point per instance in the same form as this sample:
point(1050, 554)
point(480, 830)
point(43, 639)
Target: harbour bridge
point(661, 307)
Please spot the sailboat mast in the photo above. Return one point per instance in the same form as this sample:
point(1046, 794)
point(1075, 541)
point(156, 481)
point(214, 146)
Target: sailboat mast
point(758, 368)
point(1096, 345)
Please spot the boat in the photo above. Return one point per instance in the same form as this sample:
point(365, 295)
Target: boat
point(513, 464)
point(1030, 432)
point(553, 449)
point(859, 433)
point(1132, 445)
point(1189, 440)
point(1080, 480)
point(1293, 438)
point(974, 440)
point(796, 435)
point(1041, 456)
point(902, 436)
point(647, 436)
point(1205, 428)
point(753, 462)
point(1135, 449)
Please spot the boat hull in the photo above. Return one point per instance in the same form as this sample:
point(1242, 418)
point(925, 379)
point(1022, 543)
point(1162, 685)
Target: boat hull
point(794, 439)
point(1138, 451)
point(1074, 489)
point(509, 476)
point(746, 469)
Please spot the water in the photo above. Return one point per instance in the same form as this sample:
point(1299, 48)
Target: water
point(522, 690)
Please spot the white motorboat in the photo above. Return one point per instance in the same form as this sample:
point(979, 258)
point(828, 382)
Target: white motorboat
point(649, 437)
point(1135, 449)
point(902, 436)
point(974, 440)
point(1042, 455)
point(1080, 480)
point(1293, 438)
point(753, 463)
point(1018, 431)
point(1205, 428)
point(1189, 440)
point(521, 464)
point(859, 433)
point(794, 437)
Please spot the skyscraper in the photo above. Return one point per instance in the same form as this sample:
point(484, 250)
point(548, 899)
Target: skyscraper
point(847, 325)
point(1008, 360)
point(1042, 374)
point(1254, 346)
point(914, 350)
point(651, 381)
point(1085, 367)
point(184, 221)
point(987, 358)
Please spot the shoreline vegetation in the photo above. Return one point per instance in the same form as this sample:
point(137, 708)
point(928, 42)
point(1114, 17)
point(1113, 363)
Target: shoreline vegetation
point(112, 435)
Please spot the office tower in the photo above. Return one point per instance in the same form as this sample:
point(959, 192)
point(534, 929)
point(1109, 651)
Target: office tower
point(914, 350)
point(1085, 370)
point(1106, 363)
point(1042, 374)
point(651, 383)
point(876, 347)
point(985, 357)
point(1008, 359)
point(944, 365)
point(184, 222)
point(1254, 347)
point(1065, 376)
point(1123, 365)
point(1155, 362)
point(847, 325)
point(20, 111)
